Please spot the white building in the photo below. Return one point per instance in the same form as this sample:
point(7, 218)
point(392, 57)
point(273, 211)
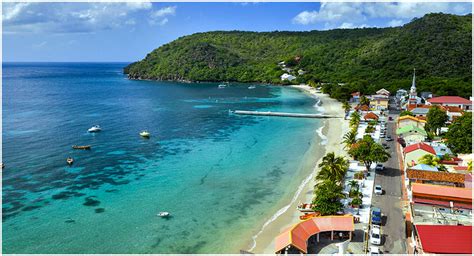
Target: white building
point(287, 77)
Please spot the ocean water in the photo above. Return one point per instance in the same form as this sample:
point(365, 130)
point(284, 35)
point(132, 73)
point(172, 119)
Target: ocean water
point(220, 175)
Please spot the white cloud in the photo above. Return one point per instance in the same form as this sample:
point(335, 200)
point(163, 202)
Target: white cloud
point(68, 17)
point(395, 23)
point(336, 14)
point(159, 17)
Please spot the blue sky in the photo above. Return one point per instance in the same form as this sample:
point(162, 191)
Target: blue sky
point(128, 31)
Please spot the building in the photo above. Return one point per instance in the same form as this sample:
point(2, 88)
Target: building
point(412, 97)
point(355, 97)
point(287, 77)
point(371, 116)
point(410, 120)
point(401, 93)
point(383, 92)
point(294, 240)
point(379, 102)
point(452, 101)
point(411, 134)
point(442, 239)
point(447, 197)
point(413, 152)
point(453, 112)
point(426, 95)
point(427, 174)
point(420, 112)
point(440, 148)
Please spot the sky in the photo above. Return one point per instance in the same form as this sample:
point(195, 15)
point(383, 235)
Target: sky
point(126, 32)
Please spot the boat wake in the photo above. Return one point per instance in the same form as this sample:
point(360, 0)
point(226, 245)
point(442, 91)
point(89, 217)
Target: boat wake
point(282, 210)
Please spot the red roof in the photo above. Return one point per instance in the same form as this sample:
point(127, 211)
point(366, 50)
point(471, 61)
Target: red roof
point(460, 168)
point(422, 146)
point(420, 189)
point(362, 108)
point(449, 100)
point(298, 235)
point(445, 238)
point(371, 115)
point(452, 109)
point(441, 203)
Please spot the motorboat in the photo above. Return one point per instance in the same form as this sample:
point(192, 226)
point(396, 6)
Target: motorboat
point(86, 147)
point(309, 215)
point(222, 86)
point(95, 128)
point(145, 134)
point(305, 207)
point(69, 160)
point(3, 165)
point(163, 214)
point(252, 87)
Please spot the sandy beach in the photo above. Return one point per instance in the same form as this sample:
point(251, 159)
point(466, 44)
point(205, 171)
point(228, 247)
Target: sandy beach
point(333, 130)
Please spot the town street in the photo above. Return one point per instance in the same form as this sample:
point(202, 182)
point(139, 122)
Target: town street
point(393, 228)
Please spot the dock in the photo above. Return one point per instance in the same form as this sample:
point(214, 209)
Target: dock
point(282, 114)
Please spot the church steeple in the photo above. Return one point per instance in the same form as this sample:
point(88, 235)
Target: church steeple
point(412, 99)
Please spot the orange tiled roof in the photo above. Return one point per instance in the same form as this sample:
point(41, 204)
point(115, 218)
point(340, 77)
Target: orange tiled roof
point(411, 118)
point(371, 115)
point(298, 234)
point(435, 176)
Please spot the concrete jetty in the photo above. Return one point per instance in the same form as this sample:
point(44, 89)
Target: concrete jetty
point(282, 114)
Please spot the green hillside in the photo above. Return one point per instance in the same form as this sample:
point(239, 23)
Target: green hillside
point(437, 45)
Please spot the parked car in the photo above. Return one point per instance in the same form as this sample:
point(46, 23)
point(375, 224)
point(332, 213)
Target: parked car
point(379, 167)
point(385, 146)
point(375, 235)
point(389, 138)
point(382, 135)
point(378, 190)
point(376, 216)
point(374, 250)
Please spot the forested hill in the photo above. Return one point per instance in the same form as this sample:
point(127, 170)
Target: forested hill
point(437, 45)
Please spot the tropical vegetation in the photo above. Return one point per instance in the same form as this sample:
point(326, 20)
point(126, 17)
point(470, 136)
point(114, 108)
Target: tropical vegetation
point(368, 151)
point(459, 135)
point(435, 119)
point(341, 60)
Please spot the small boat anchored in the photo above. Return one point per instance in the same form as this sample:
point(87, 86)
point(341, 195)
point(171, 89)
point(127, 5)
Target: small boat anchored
point(145, 134)
point(163, 214)
point(251, 87)
point(95, 128)
point(306, 207)
point(70, 160)
point(85, 147)
point(222, 86)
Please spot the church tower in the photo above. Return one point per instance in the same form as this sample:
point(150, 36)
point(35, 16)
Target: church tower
point(412, 98)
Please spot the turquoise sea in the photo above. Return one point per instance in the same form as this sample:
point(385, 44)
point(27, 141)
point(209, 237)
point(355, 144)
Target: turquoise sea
point(220, 175)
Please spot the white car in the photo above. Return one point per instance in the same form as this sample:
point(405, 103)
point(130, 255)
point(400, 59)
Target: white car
point(378, 190)
point(375, 235)
point(379, 167)
point(374, 250)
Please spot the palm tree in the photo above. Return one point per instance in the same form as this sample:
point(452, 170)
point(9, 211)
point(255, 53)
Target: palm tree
point(332, 168)
point(429, 159)
point(364, 101)
point(349, 138)
point(354, 184)
point(347, 107)
point(433, 161)
point(355, 119)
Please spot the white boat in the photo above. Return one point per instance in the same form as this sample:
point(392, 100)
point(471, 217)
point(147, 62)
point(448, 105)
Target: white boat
point(222, 86)
point(69, 160)
point(94, 128)
point(252, 87)
point(163, 214)
point(145, 134)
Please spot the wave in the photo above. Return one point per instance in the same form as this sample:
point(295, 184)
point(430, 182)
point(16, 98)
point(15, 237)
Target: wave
point(324, 139)
point(282, 210)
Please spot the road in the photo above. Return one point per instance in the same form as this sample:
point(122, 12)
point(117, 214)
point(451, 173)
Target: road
point(393, 226)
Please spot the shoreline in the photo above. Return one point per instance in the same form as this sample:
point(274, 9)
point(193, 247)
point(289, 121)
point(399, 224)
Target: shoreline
point(328, 142)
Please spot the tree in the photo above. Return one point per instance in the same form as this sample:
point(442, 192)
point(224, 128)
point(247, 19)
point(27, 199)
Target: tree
point(346, 106)
point(364, 101)
point(332, 168)
point(349, 138)
point(435, 119)
point(368, 151)
point(312, 83)
point(355, 119)
point(432, 160)
point(459, 135)
point(406, 113)
point(327, 198)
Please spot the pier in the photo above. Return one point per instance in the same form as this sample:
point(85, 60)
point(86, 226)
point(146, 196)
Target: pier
point(282, 114)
